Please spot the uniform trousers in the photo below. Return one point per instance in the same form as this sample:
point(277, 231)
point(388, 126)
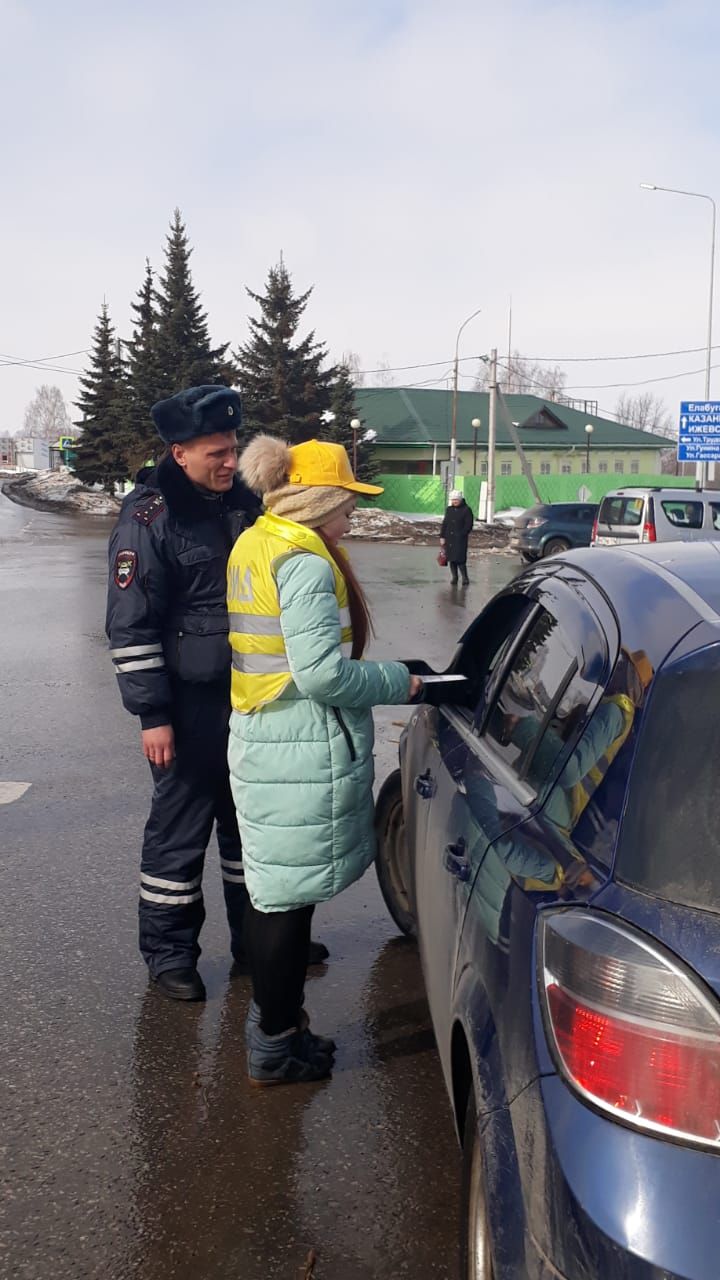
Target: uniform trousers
point(189, 798)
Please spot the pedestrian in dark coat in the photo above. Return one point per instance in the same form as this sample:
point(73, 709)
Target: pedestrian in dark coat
point(454, 534)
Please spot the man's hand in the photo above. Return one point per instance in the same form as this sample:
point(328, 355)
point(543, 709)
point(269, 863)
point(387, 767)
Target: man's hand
point(442, 542)
point(159, 745)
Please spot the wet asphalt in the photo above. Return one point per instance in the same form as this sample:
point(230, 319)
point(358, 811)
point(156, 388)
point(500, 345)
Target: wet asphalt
point(131, 1144)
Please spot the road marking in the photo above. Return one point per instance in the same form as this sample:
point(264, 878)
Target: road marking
point(10, 791)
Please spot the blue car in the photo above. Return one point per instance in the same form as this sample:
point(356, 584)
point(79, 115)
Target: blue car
point(552, 839)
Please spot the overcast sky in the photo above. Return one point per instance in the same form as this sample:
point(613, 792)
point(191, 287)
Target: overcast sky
point(413, 159)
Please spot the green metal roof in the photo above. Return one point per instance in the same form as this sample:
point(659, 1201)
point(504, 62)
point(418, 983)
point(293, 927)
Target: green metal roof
point(415, 416)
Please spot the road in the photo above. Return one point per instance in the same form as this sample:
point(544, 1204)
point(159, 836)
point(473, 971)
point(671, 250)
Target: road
point(131, 1143)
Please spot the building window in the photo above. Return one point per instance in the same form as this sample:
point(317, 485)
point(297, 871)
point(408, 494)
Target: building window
point(483, 468)
point(506, 468)
point(528, 464)
point(544, 468)
point(619, 468)
point(584, 468)
point(565, 468)
point(634, 468)
point(602, 468)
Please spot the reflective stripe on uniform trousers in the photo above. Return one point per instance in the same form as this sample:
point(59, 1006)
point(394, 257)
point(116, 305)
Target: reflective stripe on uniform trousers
point(176, 899)
point(228, 867)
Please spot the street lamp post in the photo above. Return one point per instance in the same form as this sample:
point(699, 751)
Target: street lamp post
point(589, 428)
point(476, 425)
point(355, 426)
point(453, 436)
point(701, 468)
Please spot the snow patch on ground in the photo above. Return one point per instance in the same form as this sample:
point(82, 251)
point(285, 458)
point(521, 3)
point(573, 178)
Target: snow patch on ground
point(60, 489)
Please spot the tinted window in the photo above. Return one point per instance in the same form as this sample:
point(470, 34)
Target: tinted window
point(487, 642)
point(715, 512)
point(688, 515)
point(533, 688)
point(670, 838)
point(621, 511)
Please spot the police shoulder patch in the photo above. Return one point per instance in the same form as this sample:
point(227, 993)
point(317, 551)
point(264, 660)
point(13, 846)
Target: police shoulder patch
point(150, 510)
point(125, 568)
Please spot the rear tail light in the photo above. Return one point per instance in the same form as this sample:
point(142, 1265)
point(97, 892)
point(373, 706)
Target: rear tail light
point(631, 1029)
point(535, 522)
point(593, 535)
point(649, 532)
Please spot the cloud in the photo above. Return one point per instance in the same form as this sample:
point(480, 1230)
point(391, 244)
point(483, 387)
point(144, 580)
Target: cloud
point(413, 161)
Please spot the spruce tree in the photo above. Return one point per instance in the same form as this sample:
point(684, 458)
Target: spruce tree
point(100, 456)
point(144, 382)
point(283, 385)
point(342, 407)
point(184, 354)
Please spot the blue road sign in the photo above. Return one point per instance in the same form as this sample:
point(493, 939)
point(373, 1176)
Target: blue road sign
point(699, 438)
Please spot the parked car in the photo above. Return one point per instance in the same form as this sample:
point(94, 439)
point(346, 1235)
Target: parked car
point(549, 527)
point(657, 515)
point(551, 837)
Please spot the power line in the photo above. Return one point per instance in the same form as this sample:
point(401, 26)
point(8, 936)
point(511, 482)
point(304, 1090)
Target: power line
point(646, 355)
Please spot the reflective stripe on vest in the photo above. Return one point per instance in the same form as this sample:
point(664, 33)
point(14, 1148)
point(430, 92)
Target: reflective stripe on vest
point(583, 791)
point(260, 666)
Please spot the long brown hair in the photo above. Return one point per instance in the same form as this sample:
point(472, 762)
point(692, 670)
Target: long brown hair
point(360, 616)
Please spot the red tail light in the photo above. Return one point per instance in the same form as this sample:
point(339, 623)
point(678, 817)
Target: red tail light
point(631, 1029)
point(649, 533)
point(593, 535)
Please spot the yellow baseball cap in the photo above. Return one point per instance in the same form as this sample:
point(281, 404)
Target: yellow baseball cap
point(315, 462)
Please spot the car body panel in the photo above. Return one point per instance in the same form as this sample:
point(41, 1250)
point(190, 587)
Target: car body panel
point(570, 521)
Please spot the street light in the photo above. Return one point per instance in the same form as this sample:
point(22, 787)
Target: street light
point(589, 428)
point(453, 437)
point(355, 426)
point(701, 468)
point(476, 425)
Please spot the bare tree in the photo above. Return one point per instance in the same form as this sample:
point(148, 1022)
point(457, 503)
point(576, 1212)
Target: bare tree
point(47, 416)
point(384, 377)
point(521, 377)
point(351, 361)
point(645, 412)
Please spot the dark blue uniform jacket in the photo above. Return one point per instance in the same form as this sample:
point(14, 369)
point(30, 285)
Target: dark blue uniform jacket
point(166, 615)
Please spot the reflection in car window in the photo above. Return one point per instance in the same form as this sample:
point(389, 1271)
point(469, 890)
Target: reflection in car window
point(715, 509)
point(539, 677)
point(688, 515)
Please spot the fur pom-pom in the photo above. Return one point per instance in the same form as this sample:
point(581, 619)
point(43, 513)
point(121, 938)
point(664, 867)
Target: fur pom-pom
point(265, 464)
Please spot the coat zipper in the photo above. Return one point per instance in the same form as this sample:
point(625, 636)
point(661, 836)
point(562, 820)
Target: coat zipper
point(346, 733)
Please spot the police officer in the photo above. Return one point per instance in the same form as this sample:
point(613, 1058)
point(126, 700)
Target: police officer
point(168, 630)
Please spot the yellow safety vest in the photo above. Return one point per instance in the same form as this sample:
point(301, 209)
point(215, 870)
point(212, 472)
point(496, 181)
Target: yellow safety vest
point(260, 667)
point(582, 793)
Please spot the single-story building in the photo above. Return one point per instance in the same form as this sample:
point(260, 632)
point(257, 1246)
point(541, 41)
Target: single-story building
point(413, 429)
point(32, 453)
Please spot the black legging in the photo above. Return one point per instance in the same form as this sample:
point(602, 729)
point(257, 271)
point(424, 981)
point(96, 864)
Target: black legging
point(277, 944)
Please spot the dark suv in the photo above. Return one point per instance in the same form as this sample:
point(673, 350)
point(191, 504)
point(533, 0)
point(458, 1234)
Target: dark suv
point(552, 526)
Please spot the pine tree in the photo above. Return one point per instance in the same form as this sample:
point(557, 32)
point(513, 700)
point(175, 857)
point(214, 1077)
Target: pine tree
point(283, 385)
point(343, 409)
point(184, 354)
point(101, 457)
point(143, 377)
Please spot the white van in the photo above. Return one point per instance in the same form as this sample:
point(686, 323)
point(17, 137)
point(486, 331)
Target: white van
point(657, 515)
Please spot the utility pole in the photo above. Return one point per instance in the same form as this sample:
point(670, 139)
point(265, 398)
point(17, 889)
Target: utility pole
point(453, 438)
point(492, 431)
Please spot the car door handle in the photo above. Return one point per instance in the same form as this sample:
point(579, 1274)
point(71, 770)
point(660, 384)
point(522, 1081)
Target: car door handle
point(425, 785)
point(455, 860)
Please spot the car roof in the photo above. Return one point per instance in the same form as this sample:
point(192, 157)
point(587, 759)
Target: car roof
point(682, 494)
point(691, 570)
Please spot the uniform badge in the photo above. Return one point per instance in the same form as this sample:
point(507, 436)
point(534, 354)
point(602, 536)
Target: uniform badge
point(125, 567)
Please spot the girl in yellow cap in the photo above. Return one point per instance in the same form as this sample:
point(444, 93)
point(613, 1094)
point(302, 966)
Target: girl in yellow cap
point(301, 737)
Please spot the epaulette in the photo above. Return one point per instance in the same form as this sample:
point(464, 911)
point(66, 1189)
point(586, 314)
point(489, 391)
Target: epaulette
point(150, 510)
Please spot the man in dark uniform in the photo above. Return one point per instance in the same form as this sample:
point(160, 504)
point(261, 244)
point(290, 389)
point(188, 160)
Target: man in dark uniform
point(168, 630)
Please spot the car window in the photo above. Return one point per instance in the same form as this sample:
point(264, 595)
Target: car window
point(715, 514)
point(486, 644)
point(537, 694)
point(670, 839)
point(687, 515)
point(621, 511)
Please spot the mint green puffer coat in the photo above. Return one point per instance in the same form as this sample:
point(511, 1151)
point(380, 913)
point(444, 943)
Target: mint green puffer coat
point(301, 767)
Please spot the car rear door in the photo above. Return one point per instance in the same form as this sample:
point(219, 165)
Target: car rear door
point(620, 520)
point(488, 776)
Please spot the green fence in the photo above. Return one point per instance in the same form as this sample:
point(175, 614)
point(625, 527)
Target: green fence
point(425, 495)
